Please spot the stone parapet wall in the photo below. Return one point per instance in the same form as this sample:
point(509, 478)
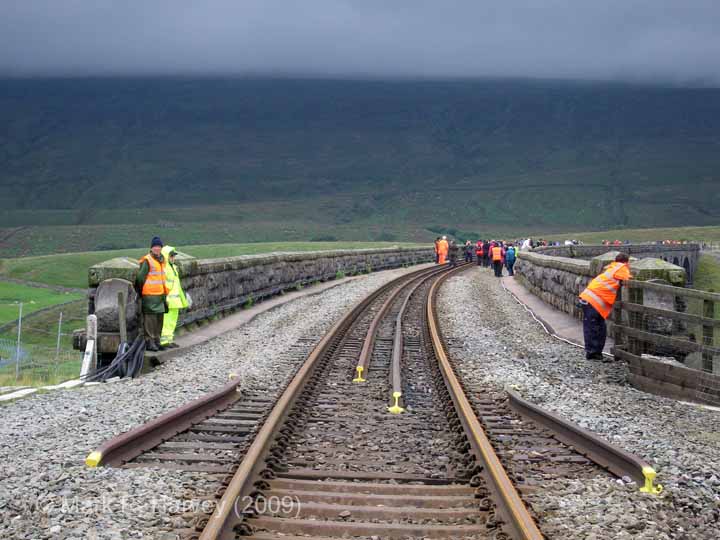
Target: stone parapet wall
point(684, 255)
point(556, 280)
point(223, 285)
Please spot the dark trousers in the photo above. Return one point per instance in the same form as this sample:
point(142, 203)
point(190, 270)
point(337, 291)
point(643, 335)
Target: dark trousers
point(510, 266)
point(479, 260)
point(152, 326)
point(497, 266)
point(468, 257)
point(594, 330)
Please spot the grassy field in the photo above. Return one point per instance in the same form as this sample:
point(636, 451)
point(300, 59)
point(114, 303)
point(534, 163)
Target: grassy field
point(707, 275)
point(42, 363)
point(32, 298)
point(70, 270)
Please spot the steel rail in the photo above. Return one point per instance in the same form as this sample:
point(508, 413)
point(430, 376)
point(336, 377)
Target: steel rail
point(395, 371)
point(517, 520)
point(226, 517)
point(395, 406)
point(129, 445)
point(363, 365)
point(608, 456)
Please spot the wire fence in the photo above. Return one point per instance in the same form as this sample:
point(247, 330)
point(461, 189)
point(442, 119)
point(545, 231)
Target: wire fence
point(37, 348)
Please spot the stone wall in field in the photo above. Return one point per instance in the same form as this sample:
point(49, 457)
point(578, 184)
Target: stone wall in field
point(218, 286)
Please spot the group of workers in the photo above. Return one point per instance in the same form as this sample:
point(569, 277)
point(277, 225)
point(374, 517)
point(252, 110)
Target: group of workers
point(596, 300)
point(488, 253)
point(162, 296)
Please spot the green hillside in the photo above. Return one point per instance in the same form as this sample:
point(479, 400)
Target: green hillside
point(91, 164)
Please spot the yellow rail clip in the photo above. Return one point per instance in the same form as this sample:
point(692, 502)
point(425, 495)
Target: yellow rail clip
point(650, 474)
point(396, 409)
point(359, 377)
point(93, 459)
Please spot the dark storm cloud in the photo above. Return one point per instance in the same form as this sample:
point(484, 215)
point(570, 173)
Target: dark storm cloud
point(671, 40)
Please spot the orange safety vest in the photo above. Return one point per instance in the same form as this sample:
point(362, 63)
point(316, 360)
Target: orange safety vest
point(155, 284)
point(602, 291)
point(479, 249)
point(496, 254)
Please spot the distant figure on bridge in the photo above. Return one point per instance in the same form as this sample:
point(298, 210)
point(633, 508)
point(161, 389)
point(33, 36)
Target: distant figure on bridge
point(480, 252)
point(153, 289)
point(454, 251)
point(510, 257)
point(486, 253)
point(468, 251)
point(443, 250)
point(597, 302)
point(498, 255)
point(176, 298)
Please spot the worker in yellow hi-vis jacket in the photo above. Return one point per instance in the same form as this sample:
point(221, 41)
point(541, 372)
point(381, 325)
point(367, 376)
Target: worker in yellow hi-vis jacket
point(176, 298)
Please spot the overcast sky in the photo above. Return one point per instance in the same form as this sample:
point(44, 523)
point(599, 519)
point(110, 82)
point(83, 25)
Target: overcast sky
point(667, 40)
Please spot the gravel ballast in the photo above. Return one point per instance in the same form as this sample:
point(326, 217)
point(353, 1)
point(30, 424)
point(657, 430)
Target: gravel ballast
point(494, 341)
point(47, 492)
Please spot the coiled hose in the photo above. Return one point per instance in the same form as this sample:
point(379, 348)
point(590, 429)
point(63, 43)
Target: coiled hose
point(128, 362)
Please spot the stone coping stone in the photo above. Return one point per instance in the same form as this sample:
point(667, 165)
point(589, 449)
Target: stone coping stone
point(126, 267)
point(574, 266)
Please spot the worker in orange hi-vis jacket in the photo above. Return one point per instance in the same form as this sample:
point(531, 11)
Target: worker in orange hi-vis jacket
point(443, 247)
point(597, 302)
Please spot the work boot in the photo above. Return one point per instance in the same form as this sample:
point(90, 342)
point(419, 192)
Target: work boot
point(172, 345)
point(160, 346)
point(150, 346)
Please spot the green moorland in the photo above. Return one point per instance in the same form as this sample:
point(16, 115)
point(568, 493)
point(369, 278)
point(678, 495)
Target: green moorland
point(707, 275)
point(32, 298)
point(96, 164)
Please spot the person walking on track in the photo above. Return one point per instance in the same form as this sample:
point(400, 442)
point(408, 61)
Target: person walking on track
point(443, 248)
point(597, 301)
point(468, 251)
point(510, 257)
point(153, 289)
point(176, 298)
point(497, 254)
point(454, 251)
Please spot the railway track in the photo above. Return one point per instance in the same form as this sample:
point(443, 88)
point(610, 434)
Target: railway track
point(373, 436)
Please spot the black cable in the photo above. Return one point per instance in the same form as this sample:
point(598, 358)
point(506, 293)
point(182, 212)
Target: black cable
point(127, 362)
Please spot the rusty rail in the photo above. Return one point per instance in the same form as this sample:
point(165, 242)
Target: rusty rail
point(395, 369)
point(616, 460)
point(128, 445)
point(517, 519)
point(395, 406)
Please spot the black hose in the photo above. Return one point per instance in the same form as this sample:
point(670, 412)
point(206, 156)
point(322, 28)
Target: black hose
point(127, 363)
